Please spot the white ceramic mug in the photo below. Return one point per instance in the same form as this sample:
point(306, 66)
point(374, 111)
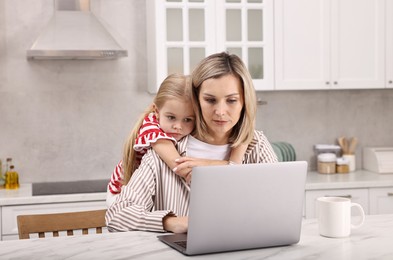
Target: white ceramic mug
point(334, 216)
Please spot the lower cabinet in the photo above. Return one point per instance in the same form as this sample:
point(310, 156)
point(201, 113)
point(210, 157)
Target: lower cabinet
point(381, 200)
point(9, 227)
point(360, 196)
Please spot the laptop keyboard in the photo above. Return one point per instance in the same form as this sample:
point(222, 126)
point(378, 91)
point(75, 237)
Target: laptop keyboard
point(182, 243)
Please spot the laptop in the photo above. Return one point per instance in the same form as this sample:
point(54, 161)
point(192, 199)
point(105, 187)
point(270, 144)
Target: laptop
point(247, 206)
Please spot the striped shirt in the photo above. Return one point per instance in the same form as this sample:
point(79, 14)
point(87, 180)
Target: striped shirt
point(149, 132)
point(154, 191)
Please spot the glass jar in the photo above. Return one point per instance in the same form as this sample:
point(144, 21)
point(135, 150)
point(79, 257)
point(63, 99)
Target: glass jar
point(342, 165)
point(327, 163)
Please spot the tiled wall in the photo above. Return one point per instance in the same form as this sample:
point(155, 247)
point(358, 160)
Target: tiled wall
point(67, 120)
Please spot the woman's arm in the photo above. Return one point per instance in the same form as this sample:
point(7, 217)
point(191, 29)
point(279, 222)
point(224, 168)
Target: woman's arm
point(153, 185)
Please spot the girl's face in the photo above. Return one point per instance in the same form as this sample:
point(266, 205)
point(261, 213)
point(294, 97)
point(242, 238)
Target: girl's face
point(176, 118)
point(221, 103)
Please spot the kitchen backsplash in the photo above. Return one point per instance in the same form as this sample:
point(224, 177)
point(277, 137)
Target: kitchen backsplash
point(67, 120)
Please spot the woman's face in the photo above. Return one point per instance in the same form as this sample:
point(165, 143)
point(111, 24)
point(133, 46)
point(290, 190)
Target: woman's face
point(221, 102)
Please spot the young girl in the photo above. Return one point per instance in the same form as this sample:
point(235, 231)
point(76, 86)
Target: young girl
point(167, 120)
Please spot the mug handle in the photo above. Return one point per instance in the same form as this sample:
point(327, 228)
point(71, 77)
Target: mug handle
point(362, 215)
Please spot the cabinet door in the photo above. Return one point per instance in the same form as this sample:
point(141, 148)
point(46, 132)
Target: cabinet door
point(381, 200)
point(9, 213)
point(356, 195)
point(179, 35)
point(302, 57)
point(357, 44)
point(329, 44)
point(245, 28)
point(389, 43)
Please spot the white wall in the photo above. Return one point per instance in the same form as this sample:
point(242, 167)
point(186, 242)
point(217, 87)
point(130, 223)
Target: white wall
point(67, 120)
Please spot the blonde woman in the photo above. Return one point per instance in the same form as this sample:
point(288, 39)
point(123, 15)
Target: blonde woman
point(224, 101)
point(166, 121)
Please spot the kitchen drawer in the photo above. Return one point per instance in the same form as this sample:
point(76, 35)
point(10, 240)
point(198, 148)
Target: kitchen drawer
point(356, 195)
point(9, 213)
point(381, 200)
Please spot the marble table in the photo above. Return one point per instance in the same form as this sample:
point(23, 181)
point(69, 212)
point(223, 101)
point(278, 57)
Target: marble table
point(374, 240)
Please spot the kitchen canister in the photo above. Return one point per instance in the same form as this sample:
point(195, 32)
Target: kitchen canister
point(342, 165)
point(327, 163)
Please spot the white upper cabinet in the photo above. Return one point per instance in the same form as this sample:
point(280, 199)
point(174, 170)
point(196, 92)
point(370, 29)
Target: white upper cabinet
point(182, 32)
point(329, 44)
point(179, 35)
point(389, 43)
point(245, 28)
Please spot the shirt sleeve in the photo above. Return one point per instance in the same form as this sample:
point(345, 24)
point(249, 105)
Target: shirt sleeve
point(260, 150)
point(150, 132)
point(110, 198)
point(133, 208)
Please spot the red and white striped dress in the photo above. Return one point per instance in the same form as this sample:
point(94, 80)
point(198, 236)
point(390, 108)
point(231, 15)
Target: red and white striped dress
point(149, 132)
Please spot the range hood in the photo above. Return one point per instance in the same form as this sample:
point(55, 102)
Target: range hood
point(74, 32)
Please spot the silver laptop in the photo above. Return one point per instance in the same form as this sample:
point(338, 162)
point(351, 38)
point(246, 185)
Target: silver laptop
point(246, 206)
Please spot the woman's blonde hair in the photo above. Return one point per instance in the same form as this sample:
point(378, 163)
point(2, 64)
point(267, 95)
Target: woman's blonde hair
point(216, 66)
point(173, 87)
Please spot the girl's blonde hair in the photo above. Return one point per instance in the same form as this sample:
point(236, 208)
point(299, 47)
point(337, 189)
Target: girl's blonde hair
point(216, 66)
point(173, 87)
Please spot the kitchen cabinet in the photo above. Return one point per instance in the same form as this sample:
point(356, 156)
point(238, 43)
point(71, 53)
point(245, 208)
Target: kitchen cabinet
point(330, 44)
point(359, 196)
point(9, 225)
point(21, 201)
point(381, 200)
point(181, 33)
point(389, 43)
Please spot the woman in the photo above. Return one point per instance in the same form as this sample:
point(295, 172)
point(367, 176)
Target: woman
point(223, 96)
point(168, 119)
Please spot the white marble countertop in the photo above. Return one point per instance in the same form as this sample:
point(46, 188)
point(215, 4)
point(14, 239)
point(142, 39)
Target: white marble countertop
point(352, 180)
point(23, 196)
point(315, 181)
point(372, 241)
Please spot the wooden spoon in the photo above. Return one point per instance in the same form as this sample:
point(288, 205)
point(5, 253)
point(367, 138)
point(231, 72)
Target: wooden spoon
point(340, 141)
point(352, 145)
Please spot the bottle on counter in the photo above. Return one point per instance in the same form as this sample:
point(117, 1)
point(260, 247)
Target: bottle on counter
point(11, 179)
point(8, 162)
point(2, 180)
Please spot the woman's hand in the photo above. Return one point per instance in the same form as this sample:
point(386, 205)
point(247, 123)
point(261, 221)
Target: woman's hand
point(175, 224)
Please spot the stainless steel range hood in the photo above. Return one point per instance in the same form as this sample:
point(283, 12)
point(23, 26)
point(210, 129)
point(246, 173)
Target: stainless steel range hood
point(74, 32)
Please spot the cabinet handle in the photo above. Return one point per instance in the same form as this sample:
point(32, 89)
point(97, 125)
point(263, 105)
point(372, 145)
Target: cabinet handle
point(348, 196)
point(327, 83)
point(390, 81)
point(390, 193)
point(335, 83)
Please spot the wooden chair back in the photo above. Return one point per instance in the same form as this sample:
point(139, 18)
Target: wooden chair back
point(66, 222)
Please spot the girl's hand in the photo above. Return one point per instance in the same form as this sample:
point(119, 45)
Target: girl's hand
point(187, 163)
point(184, 173)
